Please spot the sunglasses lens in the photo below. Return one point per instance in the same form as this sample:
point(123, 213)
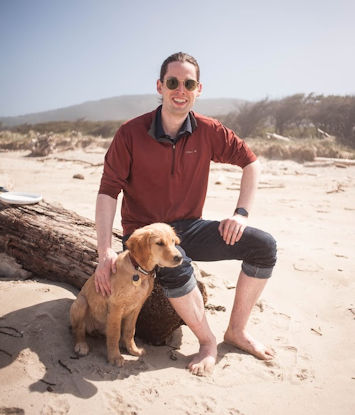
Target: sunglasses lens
point(172, 83)
point(191, 84)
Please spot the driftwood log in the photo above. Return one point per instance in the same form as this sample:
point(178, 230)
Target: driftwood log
point(59, 245)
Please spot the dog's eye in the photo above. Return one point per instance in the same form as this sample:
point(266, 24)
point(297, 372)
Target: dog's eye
point(160, 243)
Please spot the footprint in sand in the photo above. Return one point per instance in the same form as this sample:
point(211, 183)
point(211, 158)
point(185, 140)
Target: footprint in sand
point(290, 365)
point(196, 404)
point(57, 407)
point(34, 368)
point(119, 406)
point(306, 265)
point(149, 394)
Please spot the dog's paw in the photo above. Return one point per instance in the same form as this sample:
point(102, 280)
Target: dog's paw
point(116, 360)
point(136, 351)
point(82, 349)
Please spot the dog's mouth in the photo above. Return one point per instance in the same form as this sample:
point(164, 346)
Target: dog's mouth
point(172, 262)
point(178, 261)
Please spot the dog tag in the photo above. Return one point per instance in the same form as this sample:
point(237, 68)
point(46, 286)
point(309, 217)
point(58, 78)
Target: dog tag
point(136, 280)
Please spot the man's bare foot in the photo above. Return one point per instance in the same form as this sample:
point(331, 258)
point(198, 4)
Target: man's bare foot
point(245, 342)
point(204, 361)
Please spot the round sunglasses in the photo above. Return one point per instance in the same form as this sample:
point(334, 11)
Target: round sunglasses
point(173, 83)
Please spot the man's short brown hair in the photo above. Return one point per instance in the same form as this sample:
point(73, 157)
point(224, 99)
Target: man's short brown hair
point(179, 57)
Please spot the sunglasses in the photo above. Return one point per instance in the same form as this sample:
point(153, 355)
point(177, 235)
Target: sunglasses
point(173, 83)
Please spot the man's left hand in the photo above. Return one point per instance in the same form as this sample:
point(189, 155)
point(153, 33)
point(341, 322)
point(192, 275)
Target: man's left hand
point(232, 229)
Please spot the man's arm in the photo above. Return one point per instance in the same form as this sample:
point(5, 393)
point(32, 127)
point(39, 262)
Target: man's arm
point(231, 229)
point(105, 214)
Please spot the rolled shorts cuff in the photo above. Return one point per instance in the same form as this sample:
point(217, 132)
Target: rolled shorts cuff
point(181, 291)
point(256, 272)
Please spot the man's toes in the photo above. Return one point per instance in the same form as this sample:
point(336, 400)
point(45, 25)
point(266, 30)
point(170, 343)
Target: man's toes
point(199, 369)
point(196, 370)
point(270, 353)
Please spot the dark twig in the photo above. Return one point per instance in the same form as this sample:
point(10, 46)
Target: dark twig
point(17, 333)
point(11, 411)
point(65, 366)
point(47, 383)
point(215, 307)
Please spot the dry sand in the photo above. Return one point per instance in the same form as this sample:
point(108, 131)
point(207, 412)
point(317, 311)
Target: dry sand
point(306, 312)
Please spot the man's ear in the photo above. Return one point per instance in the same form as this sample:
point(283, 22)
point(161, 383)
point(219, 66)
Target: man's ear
point(159, 86)
point(199, 89)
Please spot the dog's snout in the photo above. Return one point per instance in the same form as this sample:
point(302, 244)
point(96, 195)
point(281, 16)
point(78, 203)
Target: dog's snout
point(177, 258)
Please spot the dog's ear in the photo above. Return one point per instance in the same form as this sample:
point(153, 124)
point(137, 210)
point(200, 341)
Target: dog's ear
point(139, 245)
point(175, 237)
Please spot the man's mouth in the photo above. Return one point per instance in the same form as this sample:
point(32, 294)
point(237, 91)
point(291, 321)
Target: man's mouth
point(180, 100)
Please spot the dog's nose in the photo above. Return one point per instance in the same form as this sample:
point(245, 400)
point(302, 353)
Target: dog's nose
point(177, 258)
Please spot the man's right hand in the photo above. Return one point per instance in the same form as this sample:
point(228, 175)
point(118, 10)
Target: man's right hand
point(106, 265)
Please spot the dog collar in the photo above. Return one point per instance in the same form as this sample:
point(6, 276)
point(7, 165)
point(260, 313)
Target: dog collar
point(138, 268)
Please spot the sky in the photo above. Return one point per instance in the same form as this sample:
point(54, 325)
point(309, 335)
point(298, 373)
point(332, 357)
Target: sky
point(56, 53)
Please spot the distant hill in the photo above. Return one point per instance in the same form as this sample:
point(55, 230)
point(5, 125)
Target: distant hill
point(118, 108)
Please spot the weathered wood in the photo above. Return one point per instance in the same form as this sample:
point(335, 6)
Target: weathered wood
point(50, 242)
point(329, 161)
point(348, 162)
point(277, 137)
point(57, 244)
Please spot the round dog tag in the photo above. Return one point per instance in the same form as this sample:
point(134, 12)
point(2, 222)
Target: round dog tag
point(136, 279)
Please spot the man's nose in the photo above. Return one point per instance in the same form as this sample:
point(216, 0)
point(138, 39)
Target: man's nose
point(181, 87)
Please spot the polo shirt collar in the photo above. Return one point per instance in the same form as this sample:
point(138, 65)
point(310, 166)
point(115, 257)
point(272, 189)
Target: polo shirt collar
point(156, 129)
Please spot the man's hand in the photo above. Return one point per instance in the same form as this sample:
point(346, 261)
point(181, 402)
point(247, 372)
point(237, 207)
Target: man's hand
point(232, 229)
point(106, 265)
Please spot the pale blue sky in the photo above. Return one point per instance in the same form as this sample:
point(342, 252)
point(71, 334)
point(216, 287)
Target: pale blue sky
point(59, 53)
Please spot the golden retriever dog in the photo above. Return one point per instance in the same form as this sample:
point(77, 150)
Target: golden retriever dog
point(131, 285)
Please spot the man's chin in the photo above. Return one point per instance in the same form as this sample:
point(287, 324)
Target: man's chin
point(180, 109)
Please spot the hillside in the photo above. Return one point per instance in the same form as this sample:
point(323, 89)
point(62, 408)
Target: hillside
point(118, 108)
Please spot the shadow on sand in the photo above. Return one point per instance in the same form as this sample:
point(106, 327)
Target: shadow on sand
point(43, 330)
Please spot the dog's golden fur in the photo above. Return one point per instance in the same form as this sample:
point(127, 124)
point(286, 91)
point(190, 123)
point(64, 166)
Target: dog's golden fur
point(149, 246)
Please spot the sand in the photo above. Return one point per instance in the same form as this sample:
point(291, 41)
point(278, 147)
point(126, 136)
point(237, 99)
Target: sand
point(306, 313)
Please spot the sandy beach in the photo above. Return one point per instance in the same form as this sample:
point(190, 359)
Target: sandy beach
point(306, 313)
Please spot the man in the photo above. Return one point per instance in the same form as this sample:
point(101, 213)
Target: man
point(160, 161)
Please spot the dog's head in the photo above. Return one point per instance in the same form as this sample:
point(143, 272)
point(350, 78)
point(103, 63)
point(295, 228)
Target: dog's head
point(155, 245)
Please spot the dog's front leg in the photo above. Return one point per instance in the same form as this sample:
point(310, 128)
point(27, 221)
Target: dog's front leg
point(113, 334)
point(129, 329)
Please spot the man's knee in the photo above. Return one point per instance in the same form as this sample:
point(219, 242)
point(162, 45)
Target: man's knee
point(262, 256)
point(270, 248)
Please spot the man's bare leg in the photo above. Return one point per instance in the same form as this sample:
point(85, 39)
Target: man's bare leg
point(247, 293)
point(191, 309)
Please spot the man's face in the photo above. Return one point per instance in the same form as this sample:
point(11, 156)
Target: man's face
point(180, 100)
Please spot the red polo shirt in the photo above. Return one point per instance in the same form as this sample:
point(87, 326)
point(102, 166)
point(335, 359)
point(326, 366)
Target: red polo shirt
point(163, 181)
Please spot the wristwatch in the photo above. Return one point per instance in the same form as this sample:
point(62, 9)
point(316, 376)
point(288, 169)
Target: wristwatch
point(241, 211)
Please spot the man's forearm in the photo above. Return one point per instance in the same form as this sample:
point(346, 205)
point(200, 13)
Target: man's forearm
point(248, 185)
point(105, 214)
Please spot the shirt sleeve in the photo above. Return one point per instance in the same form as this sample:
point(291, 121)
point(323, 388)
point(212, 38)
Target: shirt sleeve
point(229, 148)
point(117, 166)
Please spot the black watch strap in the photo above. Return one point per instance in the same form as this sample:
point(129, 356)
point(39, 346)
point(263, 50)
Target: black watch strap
point(241, 211)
